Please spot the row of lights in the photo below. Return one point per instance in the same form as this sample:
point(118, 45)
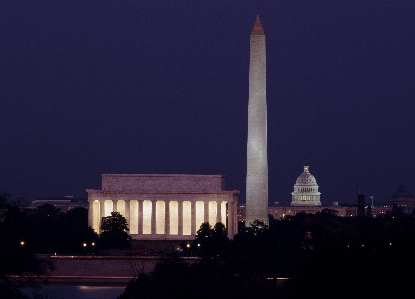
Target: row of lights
point(22, 243)
point(363, 245)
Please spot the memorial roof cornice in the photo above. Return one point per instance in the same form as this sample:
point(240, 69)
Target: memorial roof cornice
point(159, 192)
point(162, 175)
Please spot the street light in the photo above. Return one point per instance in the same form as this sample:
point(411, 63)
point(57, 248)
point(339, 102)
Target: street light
point(84, 246)
point(22, 245)
point(188, 251)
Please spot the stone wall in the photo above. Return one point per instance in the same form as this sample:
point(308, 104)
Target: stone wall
point(102, 266)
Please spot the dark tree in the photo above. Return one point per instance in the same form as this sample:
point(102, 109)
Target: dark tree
point(206, 279)
point(205, 231)
point(114, 232)
point(256, 227)
point(219, 230)
point(45, 229)
point(203, 240)
point(77, 232)
point(211, 241)
point(16, 253)
point(4, 200)
point(322, 253)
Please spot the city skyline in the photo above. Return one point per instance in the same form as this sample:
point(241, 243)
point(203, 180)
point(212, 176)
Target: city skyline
point(136, 87)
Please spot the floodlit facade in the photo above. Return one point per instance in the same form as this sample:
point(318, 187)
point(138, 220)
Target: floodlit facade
point(257, 158)
point(164, 206)
point(306, 190)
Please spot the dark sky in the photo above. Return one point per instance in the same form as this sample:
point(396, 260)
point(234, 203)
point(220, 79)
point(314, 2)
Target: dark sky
point(92, 87)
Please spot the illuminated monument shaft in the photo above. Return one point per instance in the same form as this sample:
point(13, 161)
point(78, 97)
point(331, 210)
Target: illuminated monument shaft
point(257, 158)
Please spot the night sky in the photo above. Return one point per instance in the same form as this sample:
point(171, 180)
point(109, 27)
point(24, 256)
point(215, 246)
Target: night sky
point(93, 87)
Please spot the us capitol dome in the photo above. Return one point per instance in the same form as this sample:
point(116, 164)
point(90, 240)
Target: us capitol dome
point(306, 190)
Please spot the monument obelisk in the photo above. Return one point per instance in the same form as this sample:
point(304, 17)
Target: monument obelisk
point(257, 157)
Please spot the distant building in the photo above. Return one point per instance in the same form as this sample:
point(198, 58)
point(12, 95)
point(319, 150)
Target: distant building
point(64, 203)
point(280, 212)
point(402, 199)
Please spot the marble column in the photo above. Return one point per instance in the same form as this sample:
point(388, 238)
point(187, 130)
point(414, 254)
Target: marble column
point(206, 212)
point(230, 220)
point(219, 211)
point(101, 213)
point(233, 219)
point(140, 217)
point(90, 213)
point(127, 212)
point(193, 222)
point(166, 217)
point(101, 210)
point(114, 205)
point(153, 217)
point(180, 218)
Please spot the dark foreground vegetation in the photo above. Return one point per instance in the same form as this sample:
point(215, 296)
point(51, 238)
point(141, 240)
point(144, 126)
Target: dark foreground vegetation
point(324, 256)
point(24, 233)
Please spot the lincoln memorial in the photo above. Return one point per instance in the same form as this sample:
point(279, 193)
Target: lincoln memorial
point(164, 206)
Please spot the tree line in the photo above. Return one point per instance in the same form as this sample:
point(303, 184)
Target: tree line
point(323, 255)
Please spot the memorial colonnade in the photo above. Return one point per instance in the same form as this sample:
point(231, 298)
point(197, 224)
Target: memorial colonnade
point(162, 214)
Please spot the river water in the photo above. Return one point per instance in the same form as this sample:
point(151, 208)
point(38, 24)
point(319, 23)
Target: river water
point(78, 292)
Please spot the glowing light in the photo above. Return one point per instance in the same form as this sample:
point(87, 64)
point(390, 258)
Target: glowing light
point(213, 212)
point(121, 207)
point(200, 214)
point(147, 209)
point(107, 208)
point(133, 217)
point(96, 216)
point(187, 218)
point(174, 218)
point(160, 217)
point(223, 210)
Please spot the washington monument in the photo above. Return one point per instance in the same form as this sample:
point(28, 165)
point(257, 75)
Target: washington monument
point(257, 158)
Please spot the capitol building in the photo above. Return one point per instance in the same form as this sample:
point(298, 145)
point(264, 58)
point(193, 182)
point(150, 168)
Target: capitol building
point(306, 199)
point(306, 190)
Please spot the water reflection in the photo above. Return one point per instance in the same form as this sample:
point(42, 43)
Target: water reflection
point(78, 292)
